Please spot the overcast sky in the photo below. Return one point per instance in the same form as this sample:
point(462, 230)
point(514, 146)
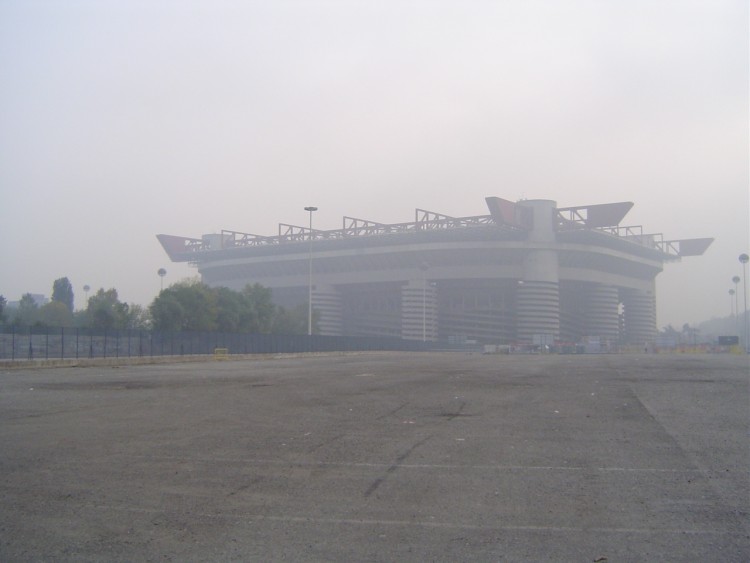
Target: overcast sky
point(122, 120)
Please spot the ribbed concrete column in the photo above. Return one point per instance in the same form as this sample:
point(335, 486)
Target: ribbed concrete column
point(419, 311)
point(326, 300)
point(538, 308)
point(640, 316)
point(602, 318)
point(538, 295)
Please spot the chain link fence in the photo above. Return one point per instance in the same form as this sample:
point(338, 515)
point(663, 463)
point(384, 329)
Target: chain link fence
point(46, 343)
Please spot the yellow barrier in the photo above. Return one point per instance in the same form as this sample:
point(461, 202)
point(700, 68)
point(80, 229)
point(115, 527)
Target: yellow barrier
point(221, 353)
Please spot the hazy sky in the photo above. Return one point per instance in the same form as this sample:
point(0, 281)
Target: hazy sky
point(121, 120)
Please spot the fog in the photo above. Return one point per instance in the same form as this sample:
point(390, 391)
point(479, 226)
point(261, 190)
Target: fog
point(122, 120)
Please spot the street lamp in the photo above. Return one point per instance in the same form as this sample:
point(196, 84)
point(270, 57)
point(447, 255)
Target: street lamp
point(423, 267)
point(743, 260)
point(309, 275)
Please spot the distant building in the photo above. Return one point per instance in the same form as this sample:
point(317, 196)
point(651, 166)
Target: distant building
point(528, 272)
point(39, 299)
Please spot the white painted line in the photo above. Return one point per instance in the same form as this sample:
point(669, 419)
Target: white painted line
point(251, 518)
point(377, 465)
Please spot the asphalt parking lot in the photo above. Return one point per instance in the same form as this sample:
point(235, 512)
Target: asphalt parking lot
point(379, 457)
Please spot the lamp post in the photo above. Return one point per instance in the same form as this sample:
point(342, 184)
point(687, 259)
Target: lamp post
point(309, 274)
point(423, 267)
point(424, 309)
point(743, 260)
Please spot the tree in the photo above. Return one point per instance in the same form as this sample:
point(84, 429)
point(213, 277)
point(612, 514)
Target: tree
point(2, 308)
point(199, 305)
point(689, 334)
point(260, 310)
point(166, 312)
point(294, 321)
point(27, 313)
point(106, 311)
point(231, 310)
point(192, 305)
point(55, 314)
point(81, 318)
point(187, 305)
point(138, 317)
point(62, 292)
point(670, 334)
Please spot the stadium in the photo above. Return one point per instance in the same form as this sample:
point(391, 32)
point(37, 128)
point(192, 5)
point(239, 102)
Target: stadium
point(527, 273)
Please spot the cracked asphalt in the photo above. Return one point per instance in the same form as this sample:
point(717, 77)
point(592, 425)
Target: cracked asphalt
point(379, 457)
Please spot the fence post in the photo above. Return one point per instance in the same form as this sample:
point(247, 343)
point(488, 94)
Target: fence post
point(31, 349)
point(62, 343)
point(13, 343)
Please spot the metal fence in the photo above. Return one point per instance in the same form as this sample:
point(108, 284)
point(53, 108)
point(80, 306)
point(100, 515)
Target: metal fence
point(39, 343)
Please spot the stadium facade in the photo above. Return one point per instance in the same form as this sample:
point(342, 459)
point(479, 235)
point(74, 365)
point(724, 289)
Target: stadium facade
point(528, 272)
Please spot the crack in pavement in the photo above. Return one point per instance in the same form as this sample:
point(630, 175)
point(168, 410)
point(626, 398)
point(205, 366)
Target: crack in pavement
point(399, 460)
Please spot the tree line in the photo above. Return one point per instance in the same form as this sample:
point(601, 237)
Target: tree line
point(189, 305)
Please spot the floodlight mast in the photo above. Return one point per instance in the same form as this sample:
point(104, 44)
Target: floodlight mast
point(162, 272)
point(736, 280)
